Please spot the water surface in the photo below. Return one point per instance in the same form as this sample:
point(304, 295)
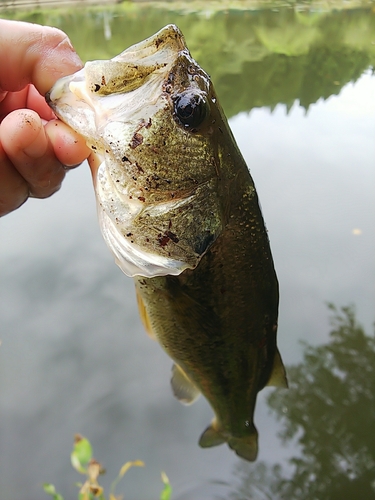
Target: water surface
point(299, 90)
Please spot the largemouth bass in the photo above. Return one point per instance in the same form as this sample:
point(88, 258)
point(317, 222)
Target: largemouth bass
point(178, 208)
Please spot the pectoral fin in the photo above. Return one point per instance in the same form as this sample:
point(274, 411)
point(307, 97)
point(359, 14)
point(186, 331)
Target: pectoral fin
point(278, 373)
point(183, 388)
point(144, 316)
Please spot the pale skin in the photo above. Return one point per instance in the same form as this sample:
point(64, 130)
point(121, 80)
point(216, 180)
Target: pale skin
point(36, 149)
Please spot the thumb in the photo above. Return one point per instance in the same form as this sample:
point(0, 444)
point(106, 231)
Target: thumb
point(30, 53)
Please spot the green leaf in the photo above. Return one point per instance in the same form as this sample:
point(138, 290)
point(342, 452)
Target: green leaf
point(81, 454)
point(50, 490)
point(167, 490)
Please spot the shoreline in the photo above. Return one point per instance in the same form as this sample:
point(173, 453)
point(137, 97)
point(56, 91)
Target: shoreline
point(193, 4)
point(32, 4)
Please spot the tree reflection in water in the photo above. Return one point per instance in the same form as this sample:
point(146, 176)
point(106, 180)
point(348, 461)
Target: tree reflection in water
point(329, 410)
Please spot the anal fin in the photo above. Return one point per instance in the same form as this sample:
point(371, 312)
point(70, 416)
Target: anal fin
point(211, 436)
point(183, 388)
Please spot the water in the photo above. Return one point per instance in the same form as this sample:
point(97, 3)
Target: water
point(299, 89)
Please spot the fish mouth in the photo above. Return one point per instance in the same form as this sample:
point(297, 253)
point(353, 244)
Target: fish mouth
point(129, 70)
point(134, 65)
point(166, 43)
point(89, 98)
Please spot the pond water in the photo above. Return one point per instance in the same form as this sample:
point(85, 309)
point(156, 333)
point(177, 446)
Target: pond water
point(299, 89)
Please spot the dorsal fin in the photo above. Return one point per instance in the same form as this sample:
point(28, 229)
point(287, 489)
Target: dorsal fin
point(183, 388)
point(278, 373)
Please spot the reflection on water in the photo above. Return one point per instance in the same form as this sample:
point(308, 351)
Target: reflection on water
point(329, 411)
point(74, 357)
point(255, 58)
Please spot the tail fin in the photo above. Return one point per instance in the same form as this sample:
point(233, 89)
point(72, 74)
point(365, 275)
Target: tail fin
point(246, 446)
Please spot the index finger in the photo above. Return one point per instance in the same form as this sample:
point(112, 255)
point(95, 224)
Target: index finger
point(30, 53)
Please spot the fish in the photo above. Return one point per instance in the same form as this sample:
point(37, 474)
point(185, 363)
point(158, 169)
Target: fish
point(178, 208)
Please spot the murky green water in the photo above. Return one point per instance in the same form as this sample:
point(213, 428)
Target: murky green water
point(300, 91)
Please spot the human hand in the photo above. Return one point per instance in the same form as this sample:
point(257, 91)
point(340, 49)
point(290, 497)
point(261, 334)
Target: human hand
point(36, 149)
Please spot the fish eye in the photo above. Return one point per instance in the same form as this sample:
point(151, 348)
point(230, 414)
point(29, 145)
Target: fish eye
point(191, 108)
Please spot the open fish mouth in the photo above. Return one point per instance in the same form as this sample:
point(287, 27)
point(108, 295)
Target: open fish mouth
point(89, 100)
point(136, 111)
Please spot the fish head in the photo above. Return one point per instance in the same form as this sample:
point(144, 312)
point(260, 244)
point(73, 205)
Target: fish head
point(150, 115)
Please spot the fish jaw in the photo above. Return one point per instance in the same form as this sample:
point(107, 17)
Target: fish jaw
point(88, 100)
point(157, 177)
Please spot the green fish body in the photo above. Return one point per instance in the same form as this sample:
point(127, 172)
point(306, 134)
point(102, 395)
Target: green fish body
point(178, 208)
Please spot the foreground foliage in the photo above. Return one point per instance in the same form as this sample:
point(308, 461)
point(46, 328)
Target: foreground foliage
point(84, 463)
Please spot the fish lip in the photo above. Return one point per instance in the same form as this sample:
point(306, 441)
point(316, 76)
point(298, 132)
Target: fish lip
point(160, 50)
point(170, 35)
